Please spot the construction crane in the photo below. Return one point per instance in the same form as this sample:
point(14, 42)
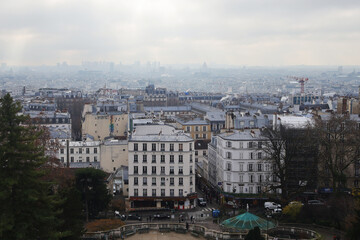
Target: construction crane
point(301, 80)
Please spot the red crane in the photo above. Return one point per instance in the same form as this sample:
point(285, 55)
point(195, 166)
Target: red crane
point(301, 80)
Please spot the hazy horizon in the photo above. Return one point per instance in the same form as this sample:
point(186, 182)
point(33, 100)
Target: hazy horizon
point(235, 33)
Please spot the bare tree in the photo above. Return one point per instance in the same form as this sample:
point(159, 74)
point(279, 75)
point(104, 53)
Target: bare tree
point(293, 159)
point(339, 149)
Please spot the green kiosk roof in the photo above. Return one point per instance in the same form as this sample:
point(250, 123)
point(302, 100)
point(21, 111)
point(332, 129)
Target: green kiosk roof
point(247, 221)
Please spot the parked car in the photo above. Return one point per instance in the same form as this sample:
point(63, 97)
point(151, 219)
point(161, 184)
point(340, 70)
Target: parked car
point(160, 216)
point(232, 204)
point(315, 202)
point(133, 217)
point(277, 210)
point(201, 202)
point(295, 203)
point(271, 205)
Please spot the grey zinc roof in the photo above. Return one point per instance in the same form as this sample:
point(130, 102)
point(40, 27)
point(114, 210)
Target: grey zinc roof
point(242, 135)
point(158, 133)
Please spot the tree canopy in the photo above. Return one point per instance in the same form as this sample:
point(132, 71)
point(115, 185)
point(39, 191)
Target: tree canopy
point(26, 203)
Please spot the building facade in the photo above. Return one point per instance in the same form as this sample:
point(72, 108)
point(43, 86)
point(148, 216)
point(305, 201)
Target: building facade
point(161, 168)
point(237, 165)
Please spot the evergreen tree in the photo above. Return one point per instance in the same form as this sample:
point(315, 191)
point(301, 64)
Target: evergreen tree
point(95, 196)
point(26, 203)
point(72, 226)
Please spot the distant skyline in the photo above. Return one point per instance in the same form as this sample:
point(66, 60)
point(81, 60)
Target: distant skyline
point(232, 32)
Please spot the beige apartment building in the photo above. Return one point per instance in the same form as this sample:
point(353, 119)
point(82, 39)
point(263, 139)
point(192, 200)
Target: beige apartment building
point(114, 154)
point(101, 125)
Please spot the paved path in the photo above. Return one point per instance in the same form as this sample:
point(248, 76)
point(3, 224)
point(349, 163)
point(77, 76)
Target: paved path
point(155, 235)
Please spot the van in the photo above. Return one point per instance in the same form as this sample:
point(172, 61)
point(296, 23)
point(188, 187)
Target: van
point(271, 205)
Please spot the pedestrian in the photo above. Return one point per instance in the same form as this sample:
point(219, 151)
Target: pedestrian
point(191, 219)
point(187, 226)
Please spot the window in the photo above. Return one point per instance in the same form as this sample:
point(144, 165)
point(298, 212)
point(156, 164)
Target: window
point(153, 170)
point(250, 144)
point(180, 147)
point(180, 170)
point(144, 181)
point(171, 147)
point(191, 180)
point(153, 159)
point(144, 146)
point(250, 189)
point(144, 158)
point(163, 192)
point(259, 189)
point(196, 153)
point(162, 181)
point(260, 144)
point(259, 155)
point(136, 192)
point(162, 170)
point(228, 155)
point(267, 167)
point(191, 170)
point(62, 159)
point(95, 159)
point(228, 144)
point(181, 181)
point(172, 181)
point(153, 192)
point(145, 192)
point(259, 167)
point(172, 170)
point(190, 146)
point(204, 128)
point(241, 167)
point(172, 192)
point(188, 129)
point(241, 189)
point(136, 147)
point(136, 158)
point(196, 136)
point(71, 150)
point(136, 169)
point(95, 150)
point(204, 153)
point(144, 170)
point(62, 151)
point(87, 159)
point(197, 128)
point(204, 135)
point(228, 166)
point(241, 145)
point(171, 158)
point(260, 178)
point(136, 181)
point(80, 150)
point(181, 192)
point(191, 158)
point(250, 166)
point(162, 147)
point(162, 158)
point(87, 150)
point(252, 155)
point(153, 147)
point(153, 181)
point(181, 159)
point(241, 178)
point(251, 178)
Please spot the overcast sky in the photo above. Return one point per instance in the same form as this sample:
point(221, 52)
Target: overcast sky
point(237, 32)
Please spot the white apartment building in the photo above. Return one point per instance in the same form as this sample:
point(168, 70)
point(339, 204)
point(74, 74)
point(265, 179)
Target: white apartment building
point(80, 153)
point(237, 165)
point(161, 168)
